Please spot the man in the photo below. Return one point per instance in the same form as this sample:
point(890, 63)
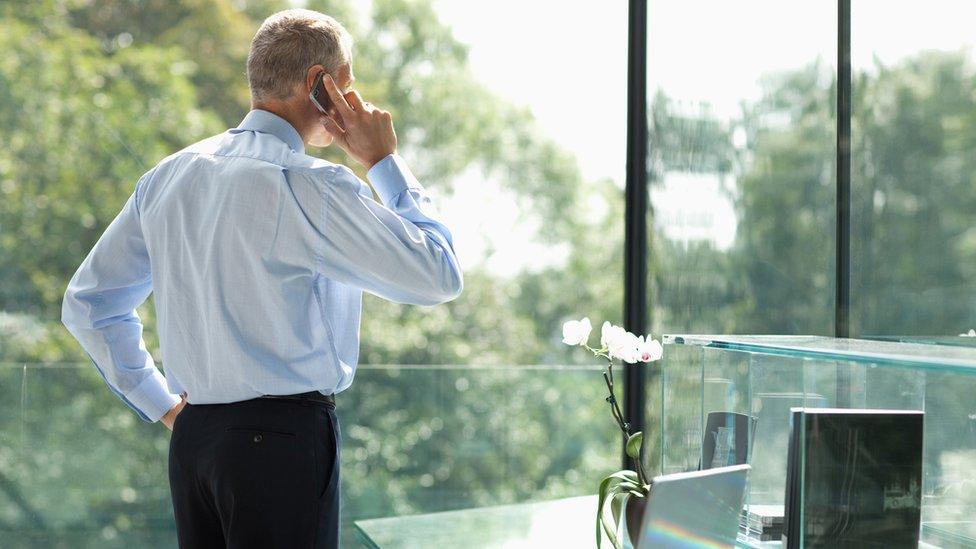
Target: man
point(257, 255)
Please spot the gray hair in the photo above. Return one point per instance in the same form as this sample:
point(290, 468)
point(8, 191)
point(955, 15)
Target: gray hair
point(287, 44)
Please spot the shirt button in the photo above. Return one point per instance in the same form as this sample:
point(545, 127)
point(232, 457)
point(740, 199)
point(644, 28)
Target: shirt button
point(258, 437)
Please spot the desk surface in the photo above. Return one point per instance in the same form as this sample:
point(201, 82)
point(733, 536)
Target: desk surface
point(567, 523)
point(916, 355)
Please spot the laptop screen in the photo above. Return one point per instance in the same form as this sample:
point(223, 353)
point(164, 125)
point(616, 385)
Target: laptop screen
point(694, 510)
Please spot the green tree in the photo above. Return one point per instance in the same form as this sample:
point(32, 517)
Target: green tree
point(785, 243)
point(71, 152)
point(913, 182)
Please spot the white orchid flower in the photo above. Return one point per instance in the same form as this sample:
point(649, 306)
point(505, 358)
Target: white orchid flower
point(627, 349)
point(577, 332)
point(620, 343)
point(649, 350)
point(605, 333)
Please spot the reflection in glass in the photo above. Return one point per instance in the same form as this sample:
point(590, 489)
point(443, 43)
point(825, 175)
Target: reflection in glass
point(913, 241)
point(742, 149)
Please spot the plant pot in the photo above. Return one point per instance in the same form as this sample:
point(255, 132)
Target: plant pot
point(630, 521)
point(634, 513)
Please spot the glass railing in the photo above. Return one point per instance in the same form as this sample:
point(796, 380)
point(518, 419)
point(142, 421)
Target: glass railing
point(79, 469)
point(764, 376)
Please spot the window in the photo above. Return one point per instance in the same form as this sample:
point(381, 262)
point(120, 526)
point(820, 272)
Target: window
point(913, 189)
point(741, 161)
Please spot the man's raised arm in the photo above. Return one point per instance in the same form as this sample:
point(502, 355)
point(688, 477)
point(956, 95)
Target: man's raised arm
point(396, 250)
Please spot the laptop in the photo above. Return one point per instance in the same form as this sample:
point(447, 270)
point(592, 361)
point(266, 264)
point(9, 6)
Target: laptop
point(694, 510)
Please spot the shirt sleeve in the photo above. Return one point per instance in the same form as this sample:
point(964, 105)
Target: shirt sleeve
point(396, 250)
point(99, 310)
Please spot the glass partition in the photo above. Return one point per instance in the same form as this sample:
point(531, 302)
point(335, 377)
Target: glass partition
point(765, 376)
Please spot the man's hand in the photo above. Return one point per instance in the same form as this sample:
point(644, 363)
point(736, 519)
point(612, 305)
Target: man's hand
point(170, 416)
point(363, 131)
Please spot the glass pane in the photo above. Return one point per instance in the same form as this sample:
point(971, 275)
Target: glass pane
point(949, 503)
point(742, 152)
point(778, 384)
point(82, 471)
point(913, 245)
point(79, 469)
point(681, 409)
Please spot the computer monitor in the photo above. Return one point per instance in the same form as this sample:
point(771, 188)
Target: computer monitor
point(694, 510)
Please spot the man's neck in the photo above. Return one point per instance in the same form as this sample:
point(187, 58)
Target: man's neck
point(286, 111)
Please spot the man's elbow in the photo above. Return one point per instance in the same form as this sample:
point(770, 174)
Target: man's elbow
point(448, 288)
point(71, 311)
point(454, 288)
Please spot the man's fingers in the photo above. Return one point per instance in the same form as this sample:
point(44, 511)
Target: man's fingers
point(356, 102)
point(354, 99)
point(336, 96)
point(331, 126)
point(336, 131)
point(334, 118)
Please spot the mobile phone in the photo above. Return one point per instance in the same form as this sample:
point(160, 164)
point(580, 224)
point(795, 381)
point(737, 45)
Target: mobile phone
point(319, 96)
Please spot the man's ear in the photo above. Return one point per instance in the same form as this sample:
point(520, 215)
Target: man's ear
point(312, 76)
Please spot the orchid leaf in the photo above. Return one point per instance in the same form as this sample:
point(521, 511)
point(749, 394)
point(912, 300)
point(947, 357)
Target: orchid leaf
point(600, 525)
point(625, 474)
point(634, 444)
point(627, 486)
point(610, 527)
point(615, 505)
point(612, 489)
point(601, 497)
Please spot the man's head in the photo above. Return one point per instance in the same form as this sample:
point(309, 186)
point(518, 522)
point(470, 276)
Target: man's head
point(289, 53)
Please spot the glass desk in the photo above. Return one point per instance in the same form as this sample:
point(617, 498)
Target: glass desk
point(952, 341)
point(566, 523)
point(764, 376)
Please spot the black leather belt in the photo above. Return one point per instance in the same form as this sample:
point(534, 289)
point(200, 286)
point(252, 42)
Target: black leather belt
point(311, 396)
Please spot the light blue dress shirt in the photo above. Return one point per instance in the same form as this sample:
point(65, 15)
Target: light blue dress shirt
point(257, 255)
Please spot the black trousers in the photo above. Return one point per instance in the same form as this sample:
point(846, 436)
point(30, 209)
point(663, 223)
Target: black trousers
point(260, 473)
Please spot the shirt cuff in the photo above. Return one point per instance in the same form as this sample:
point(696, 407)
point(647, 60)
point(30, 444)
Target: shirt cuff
point(390, 177)
point(152, 397)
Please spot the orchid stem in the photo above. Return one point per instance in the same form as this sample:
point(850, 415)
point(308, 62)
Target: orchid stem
point(619, 417)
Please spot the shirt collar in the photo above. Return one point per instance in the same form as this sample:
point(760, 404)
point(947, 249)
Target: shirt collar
point(267, 122)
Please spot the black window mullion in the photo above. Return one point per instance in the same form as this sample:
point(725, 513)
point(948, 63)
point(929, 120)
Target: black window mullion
point(635, 217)
point(842, 304)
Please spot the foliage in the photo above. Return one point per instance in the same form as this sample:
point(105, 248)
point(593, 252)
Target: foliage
point(914, 136)
point(70, 153)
